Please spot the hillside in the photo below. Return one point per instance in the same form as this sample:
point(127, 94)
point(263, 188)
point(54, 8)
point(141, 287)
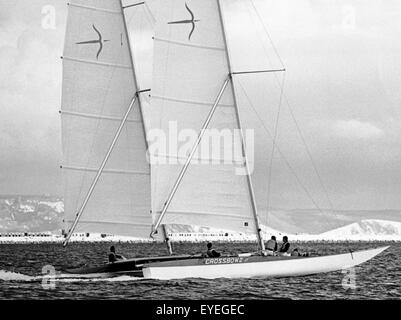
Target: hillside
point(45, 213)
point(30, 213)
point(366, 230)
point(316, 222)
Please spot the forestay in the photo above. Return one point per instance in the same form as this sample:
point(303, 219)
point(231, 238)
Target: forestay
point(98, 86)
point(190, 67)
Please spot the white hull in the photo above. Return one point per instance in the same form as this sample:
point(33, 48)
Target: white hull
point(271, 268)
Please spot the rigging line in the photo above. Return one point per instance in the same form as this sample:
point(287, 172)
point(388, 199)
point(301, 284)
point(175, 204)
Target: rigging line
point(133, 5)
point(273, 148)
point(146, 10)
point(309, 154)
point(131, 48)
point(136, 67)
point(265, 49)
point(292, 113)
point(151, 18)
point(267, 33)
point(258, 71)
point(279, 151)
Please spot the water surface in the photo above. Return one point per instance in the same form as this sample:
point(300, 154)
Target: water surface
point(21, 275)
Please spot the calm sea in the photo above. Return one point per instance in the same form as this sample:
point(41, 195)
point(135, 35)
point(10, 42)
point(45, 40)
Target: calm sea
point(21, 276)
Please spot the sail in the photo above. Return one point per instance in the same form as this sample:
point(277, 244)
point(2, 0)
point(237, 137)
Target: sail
point(190, 67)
point(98, 87)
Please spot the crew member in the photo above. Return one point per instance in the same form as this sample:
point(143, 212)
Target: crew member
point(211, 253)
point(113, 256)
point(271, 246)
point(285, 246)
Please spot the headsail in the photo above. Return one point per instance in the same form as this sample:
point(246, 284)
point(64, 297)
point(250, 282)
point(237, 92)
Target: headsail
point(98, 87)
point(190, 67)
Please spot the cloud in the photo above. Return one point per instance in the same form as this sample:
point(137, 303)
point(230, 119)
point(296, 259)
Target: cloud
point(356, 129)
point(30, 97)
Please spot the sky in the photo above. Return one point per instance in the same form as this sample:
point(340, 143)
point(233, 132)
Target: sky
point(342, 80)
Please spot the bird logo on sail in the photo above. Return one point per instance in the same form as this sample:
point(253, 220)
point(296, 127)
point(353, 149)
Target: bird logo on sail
point(99, 41)
point(189, 21)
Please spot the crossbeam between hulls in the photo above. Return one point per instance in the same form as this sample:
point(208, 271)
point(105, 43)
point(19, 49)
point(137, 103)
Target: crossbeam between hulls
point(189, 159)
point(101, 168)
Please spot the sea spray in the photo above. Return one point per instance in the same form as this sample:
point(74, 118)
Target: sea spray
point(75, 278)
point(9, 276)
point(14, 276)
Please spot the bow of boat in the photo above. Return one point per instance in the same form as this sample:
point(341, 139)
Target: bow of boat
point(365, 255)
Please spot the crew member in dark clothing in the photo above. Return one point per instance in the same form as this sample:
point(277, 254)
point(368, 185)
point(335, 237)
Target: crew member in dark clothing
point(285, 246)
point(211, 253)
point(113, 257)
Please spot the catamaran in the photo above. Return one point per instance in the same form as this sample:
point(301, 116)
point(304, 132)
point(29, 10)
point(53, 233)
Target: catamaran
point(114, 183)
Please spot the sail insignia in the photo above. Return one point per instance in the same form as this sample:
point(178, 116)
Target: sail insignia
point(191, 21)
point(99, 41)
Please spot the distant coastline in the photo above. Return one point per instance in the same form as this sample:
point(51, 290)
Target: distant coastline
point(38, 218)
point(44, 238)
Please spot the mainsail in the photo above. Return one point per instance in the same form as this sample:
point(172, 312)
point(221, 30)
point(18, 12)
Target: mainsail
point(98, 87)
point(190, 67)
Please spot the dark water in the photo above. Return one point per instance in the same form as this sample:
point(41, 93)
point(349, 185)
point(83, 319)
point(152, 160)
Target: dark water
point(21, 275)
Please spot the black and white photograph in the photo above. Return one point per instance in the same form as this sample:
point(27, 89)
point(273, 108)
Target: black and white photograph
point(200, 150)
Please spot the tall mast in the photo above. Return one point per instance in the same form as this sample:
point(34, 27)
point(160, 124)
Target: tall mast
point(248, 173)
point(133, 65)
point(166, 238)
